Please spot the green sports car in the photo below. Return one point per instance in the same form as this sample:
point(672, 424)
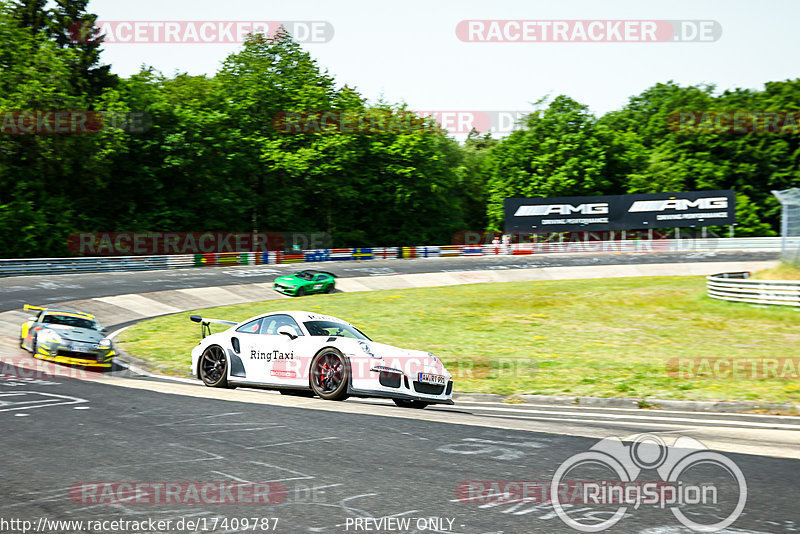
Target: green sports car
point(306, 282)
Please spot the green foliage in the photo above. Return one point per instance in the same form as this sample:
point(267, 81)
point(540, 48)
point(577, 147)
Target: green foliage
point(559, 152)
point(211, 158)
point(564, 150)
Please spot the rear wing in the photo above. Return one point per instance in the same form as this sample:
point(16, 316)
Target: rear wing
point(326, 272)
point(66, 310)
point(205, 328)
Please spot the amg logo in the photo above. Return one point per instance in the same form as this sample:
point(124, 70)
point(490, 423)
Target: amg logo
point(272, 355)
point(712, 203)
point(600, 208)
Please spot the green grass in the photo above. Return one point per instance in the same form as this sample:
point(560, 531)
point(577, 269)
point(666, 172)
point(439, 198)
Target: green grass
point(784, 271)
point(608, 338)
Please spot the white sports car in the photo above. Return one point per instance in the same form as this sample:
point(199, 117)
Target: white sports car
point(308, 354)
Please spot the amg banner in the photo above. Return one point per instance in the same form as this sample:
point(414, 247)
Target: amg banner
point(619, 212)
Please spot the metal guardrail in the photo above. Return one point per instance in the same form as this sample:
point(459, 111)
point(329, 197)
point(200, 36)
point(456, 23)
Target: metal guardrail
point(738, 287)
point(30, 266)
point(19, 267)
point(767, 244)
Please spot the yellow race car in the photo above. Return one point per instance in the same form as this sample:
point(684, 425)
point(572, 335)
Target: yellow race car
point(66, 336)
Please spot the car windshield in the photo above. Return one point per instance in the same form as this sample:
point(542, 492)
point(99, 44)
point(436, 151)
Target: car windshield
point(69, 320)
point(331, 328)
point(305, 275)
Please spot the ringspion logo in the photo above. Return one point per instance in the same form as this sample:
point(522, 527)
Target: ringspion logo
point(689, 472)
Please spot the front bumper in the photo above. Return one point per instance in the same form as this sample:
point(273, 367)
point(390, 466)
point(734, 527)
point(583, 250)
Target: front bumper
point(390, 382)
point(397, 395)
point(286, 290)
point(100, 358)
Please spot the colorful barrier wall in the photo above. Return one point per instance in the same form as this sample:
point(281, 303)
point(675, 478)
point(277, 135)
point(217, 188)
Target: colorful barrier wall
point(28, 266)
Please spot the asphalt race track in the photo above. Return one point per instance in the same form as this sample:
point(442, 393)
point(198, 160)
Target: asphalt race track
point(43, 289)
point(83, 447)
point(330, 467)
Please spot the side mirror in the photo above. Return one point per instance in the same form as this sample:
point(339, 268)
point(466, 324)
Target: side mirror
point(32, 318)
point(286, 330)
point(104, 330)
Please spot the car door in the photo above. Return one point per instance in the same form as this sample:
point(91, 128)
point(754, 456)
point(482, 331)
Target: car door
point(274, 358)
point(245, 344)
point(319, 283)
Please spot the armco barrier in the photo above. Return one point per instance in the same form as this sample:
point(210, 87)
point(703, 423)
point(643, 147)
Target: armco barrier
point(428, 252)
point(738, 287)
point(17, 267)
point(223, 258)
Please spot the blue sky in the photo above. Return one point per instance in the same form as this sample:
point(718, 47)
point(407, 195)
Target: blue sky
point(408, 51)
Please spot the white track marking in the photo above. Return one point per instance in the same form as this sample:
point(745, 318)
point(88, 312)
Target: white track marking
point(51, 400)
point(203, 417)
point(117, 332)
point(290, 442)
point(211, 457)
point(634, 410)
point(650, 417)
point(227, 430)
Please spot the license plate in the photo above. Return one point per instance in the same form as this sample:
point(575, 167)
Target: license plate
point(80, 348)
point(432, 379)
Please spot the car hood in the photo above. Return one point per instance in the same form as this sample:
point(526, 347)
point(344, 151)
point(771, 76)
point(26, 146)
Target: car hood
point(71, 333)
point(291, 280)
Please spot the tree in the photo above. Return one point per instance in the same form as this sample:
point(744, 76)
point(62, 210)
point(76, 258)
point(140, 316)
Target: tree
point(557, 153)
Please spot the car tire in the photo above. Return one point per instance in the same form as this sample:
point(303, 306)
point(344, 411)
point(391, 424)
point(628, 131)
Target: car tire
point(34, 346)
point(300, 292)
point(405, 403)
point(329, 288)
point(329, 375)
point(213, 367)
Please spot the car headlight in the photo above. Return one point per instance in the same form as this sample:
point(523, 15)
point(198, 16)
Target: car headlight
point(48, 336)
point(104, 344)
point(366, 349)
point(434, 357)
